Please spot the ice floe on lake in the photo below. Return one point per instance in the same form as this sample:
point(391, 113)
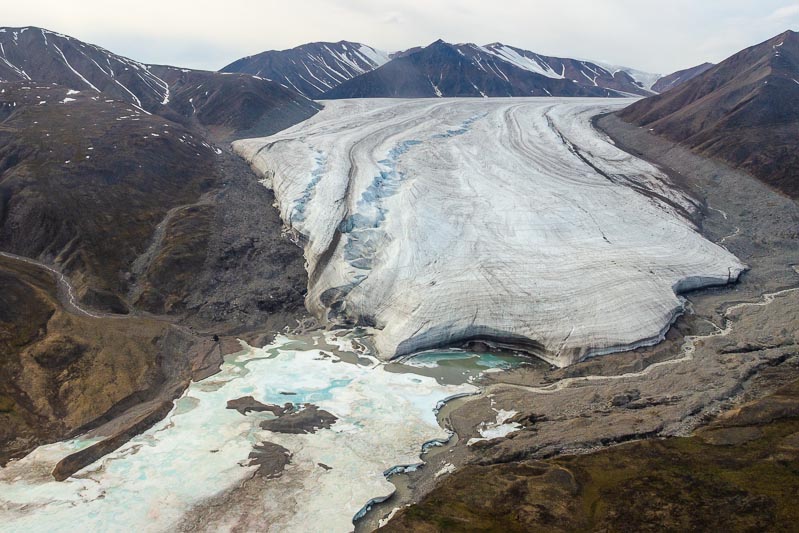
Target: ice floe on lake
point(200, 452)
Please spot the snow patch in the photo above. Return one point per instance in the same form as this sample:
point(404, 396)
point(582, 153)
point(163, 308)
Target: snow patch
point(498, 429)
point(534, 64)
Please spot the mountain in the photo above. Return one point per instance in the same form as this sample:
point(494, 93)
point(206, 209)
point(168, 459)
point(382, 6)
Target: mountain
point(144, 218)
point(744, 111)
point(128, 240)
point(643, 79)
point(314, 68)
point(36, 54)
point(444, 70)
point(681, 76)
point(231, 105)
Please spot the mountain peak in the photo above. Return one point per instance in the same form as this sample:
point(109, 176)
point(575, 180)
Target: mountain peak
point(443, 69)
point(314, 68)
point(786, 36)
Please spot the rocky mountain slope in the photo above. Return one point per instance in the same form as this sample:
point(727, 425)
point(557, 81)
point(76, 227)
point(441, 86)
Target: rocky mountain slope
point(674, 79)
point(443, 70)
point(227, 105)
point(63, 369)
point(72, 162)
point(744, 111)
point(314, 68)
point(36, 54)
point(230, 105)
point(151, 224)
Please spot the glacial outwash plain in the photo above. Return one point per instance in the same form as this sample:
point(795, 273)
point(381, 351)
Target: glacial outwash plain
point(509, 221)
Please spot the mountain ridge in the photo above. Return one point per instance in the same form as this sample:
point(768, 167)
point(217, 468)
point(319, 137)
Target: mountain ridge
point(743, 111)
point(282, 66)
point(312, 68)
point(444, 69)
point(31, 54)
point(679, 77)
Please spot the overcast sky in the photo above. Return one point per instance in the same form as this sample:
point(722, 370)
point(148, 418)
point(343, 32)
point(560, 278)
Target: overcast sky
point(656, 36)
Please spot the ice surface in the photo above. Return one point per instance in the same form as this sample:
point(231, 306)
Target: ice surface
point(200, 451)
point(512, 219)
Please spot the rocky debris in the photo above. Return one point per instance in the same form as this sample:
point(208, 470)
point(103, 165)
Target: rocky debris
point(247, 403)
point(308, 419)
point(624, 399)
point(754, 346)
point(737, 474)
point(270, 458)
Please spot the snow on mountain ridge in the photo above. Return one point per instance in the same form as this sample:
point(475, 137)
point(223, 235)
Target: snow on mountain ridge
point(532, 62)
point(646, 79)
point(41, 54)
point(443, 69)
point(314, 68)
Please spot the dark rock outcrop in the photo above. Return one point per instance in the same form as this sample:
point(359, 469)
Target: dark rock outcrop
point(247, 404)
point(310, 419)
point(271, 459)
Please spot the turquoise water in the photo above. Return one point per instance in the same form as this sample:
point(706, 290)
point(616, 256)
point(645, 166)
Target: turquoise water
point(454, 367)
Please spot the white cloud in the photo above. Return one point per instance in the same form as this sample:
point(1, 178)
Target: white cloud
point(784, 13)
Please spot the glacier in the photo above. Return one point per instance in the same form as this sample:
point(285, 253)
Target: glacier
point(510, 220)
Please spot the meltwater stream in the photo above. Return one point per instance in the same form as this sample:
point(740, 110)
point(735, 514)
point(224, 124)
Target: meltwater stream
point(195, 463)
